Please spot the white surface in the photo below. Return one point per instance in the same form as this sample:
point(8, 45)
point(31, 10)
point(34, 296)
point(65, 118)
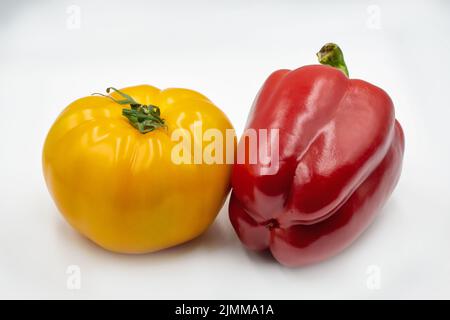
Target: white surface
point(224, 50)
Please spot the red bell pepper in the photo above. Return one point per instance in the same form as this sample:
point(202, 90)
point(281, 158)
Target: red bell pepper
point(340, 157)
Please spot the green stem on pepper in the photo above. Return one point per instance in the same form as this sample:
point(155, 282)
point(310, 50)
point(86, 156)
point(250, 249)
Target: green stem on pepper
point(330, 54)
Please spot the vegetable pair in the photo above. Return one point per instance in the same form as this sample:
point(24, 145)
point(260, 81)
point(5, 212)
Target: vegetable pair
point(108, 163)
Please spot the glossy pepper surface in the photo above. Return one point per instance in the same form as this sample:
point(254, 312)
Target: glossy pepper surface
point(340, 156)
point(109, 166)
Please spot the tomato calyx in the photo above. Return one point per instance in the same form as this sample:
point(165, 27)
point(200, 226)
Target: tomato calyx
point(145, 118)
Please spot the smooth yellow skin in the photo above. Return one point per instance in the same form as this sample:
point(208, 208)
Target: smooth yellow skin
point(119, 187)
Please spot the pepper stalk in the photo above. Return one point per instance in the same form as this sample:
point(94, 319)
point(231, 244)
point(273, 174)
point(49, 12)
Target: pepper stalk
point(330, 54)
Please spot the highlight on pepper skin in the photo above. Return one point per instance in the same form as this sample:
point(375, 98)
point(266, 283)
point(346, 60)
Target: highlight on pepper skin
point(340, 157)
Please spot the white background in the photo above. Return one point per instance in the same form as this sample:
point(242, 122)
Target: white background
point(224, 50)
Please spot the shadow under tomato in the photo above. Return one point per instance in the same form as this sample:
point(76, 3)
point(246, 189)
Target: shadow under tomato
point(215, 238)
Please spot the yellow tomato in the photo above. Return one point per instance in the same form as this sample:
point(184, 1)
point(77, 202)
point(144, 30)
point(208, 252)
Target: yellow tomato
point(120, 187)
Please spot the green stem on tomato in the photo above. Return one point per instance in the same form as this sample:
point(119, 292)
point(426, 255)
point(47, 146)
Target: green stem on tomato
point(144, 118)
